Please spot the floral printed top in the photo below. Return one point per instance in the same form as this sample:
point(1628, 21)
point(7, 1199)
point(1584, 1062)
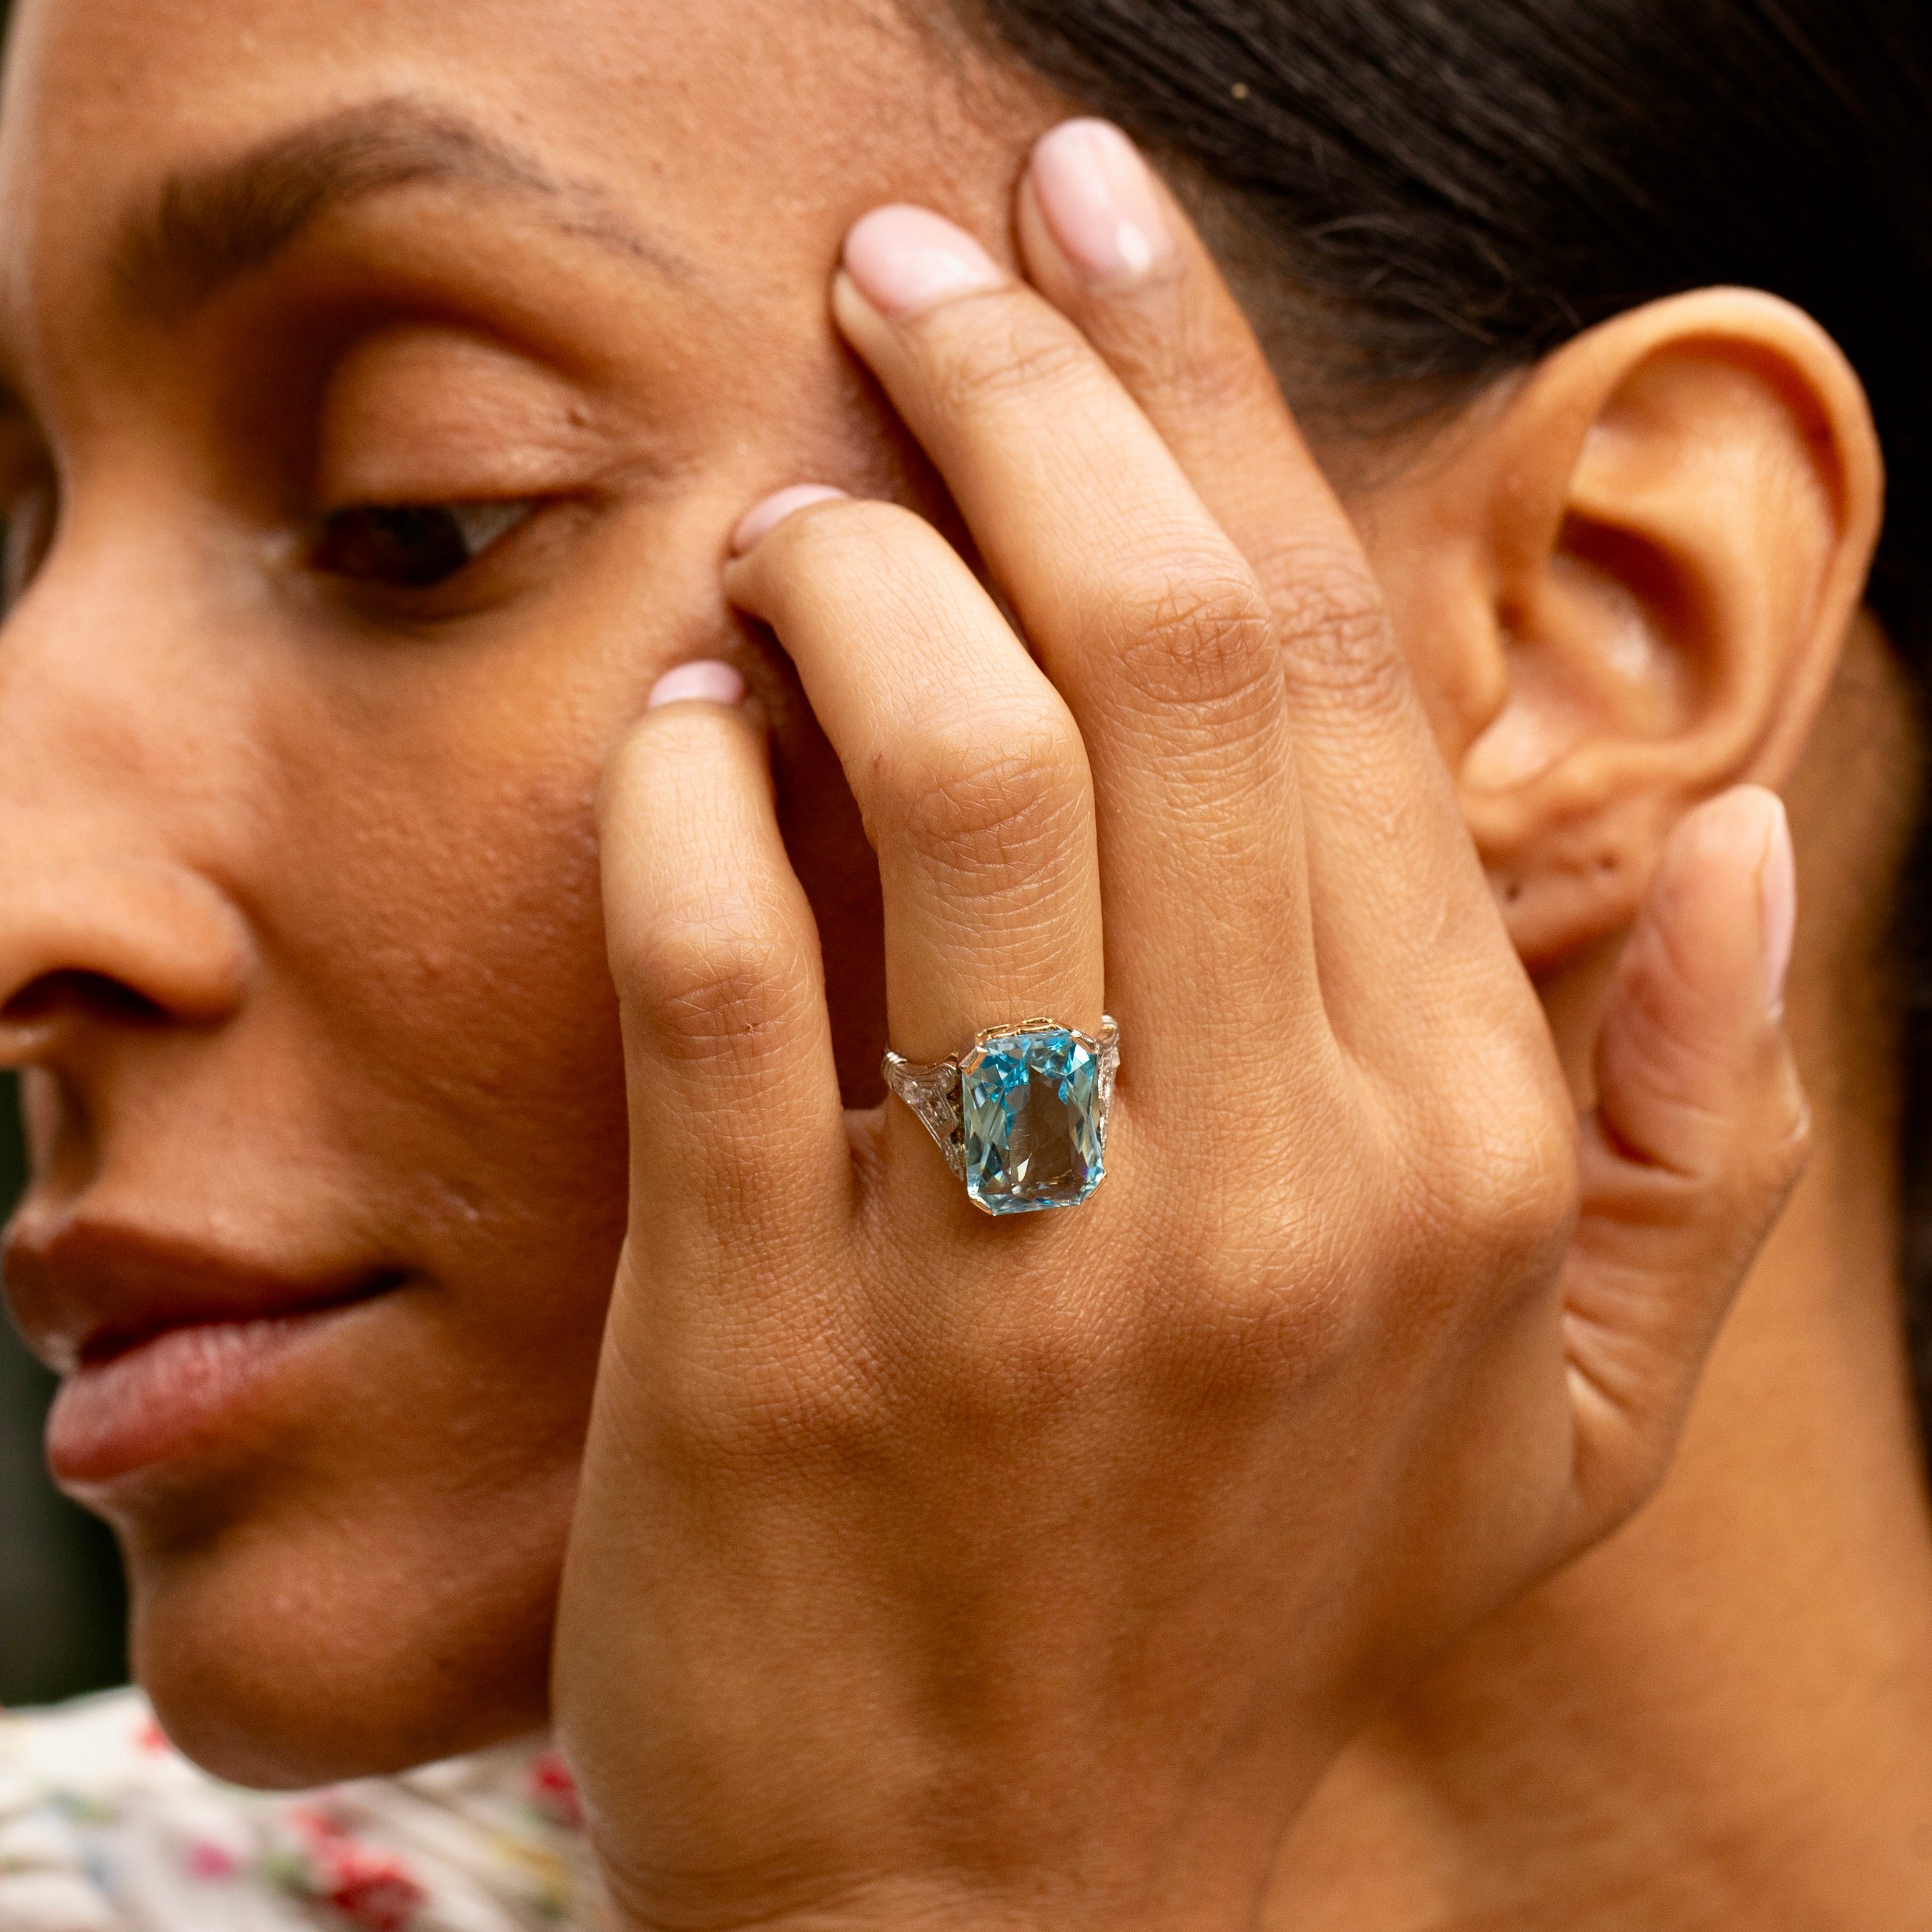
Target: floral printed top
point(105, 1828)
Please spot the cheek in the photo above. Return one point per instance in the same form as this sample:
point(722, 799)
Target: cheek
point(436, 1007)
point(459, 974)
point(437, 926)
point(478, 1068)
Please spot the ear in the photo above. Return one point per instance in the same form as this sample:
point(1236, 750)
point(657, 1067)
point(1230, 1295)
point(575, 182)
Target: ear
point(1623, 582)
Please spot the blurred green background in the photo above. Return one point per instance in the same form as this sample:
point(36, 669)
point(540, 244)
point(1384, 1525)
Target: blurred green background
point(62, 1610)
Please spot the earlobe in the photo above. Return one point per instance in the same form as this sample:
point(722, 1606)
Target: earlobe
point(1645, 561)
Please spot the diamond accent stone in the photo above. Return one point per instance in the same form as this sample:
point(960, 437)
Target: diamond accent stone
point(1034, 1101)
point(933, 1093)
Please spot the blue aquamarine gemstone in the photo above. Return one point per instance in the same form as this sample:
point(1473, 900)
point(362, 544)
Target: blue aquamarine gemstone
point(1032, 1127)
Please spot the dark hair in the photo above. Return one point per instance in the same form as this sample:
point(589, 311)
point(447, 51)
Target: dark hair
point(1440, 193)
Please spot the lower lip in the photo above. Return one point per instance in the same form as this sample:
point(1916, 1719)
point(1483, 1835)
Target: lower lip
point(160, 1401)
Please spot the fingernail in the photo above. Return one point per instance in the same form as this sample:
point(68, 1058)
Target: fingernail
point(1777, 885)
point(1098, 200)
point(906, 260)
point(763, 518)
point(708, 679)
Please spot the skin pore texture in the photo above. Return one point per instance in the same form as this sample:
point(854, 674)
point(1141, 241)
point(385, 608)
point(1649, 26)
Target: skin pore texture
point(342, 850)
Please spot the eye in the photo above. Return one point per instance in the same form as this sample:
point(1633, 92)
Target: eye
point(411, 546)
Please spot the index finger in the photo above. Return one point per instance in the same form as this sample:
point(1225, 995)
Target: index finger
point(1390, 863)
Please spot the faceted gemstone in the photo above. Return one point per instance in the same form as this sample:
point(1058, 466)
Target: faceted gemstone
point(1032, 1102)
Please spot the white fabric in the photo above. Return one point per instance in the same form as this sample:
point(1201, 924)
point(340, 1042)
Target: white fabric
point(105, 1828)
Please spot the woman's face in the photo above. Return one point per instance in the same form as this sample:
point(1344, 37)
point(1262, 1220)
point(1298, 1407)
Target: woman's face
point(299, 927)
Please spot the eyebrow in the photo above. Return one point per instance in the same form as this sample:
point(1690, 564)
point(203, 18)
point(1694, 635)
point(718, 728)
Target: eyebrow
point(208, 226)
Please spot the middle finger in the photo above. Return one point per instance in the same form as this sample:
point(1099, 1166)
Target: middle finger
point(1148, 619)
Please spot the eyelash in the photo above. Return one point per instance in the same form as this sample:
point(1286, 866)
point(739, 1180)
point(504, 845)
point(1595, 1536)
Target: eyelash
point(413, 546)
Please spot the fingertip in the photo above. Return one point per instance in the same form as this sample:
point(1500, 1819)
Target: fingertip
point(1098, 200)
point(705, 680)
point(764, 517)
point(1692, 1060)
point(1745, 834)
point(699, 719)
point(904, 260)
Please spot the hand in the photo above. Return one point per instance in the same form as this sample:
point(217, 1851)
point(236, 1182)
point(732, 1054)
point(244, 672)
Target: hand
point(934, 1568)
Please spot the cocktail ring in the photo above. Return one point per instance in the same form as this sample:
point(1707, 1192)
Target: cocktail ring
point(1022, 1116)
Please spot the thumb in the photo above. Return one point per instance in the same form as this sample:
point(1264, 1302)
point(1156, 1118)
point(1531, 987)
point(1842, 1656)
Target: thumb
point(1698, 1137)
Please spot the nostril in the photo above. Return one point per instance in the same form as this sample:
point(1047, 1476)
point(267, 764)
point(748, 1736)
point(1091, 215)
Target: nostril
point(92, 995)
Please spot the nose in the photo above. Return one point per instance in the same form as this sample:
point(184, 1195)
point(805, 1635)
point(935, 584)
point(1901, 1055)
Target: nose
point(88, 933)
point(110, 906)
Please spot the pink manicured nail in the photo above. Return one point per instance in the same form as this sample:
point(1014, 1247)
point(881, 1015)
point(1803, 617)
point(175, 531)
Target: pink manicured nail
point(708, 679)
point(906, 260)
point(1777, 884)
point(763, 518)
point(1098, 200)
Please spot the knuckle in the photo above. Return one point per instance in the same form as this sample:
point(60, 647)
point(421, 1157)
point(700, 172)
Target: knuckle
point(981, 798)
point(1525, 1169)
point(1500, 1171)
point(1332, 622)
point(1208, 374)
point(1001, 350)
point(713, 979)
point(1194, 628)
point(1531, 1190)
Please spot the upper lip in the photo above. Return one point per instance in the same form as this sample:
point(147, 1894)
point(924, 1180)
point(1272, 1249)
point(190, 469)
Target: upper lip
point(83, 1291)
